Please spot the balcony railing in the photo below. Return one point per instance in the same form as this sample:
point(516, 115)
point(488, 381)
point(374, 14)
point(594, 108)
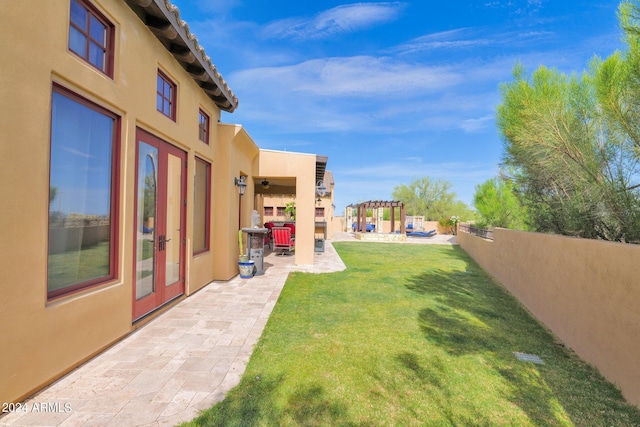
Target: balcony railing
point(480, 232)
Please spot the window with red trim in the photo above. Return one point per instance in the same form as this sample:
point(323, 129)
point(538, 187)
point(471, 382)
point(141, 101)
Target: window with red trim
point(83, 194)
point(268, 211)
point(319, 212)
point(166, 96)
point(91, 36)
point(203, 127)
point(280, 211)
point(201, 208)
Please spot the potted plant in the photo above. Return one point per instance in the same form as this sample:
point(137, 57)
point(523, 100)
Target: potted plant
point(245, 265)
point(451, 223)
point(290, 211)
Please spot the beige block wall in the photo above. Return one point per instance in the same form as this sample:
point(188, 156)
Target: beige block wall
point(585, 291)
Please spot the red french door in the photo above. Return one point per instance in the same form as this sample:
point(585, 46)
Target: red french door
point(160, 223)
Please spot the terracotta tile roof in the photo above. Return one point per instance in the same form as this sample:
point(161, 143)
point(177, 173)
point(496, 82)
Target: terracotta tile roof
point(163, 19)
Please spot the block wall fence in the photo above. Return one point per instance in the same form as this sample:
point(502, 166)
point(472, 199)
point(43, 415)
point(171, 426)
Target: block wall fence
point(586, 291)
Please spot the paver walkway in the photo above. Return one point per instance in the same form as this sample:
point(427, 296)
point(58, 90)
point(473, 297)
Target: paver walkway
point(183, 361)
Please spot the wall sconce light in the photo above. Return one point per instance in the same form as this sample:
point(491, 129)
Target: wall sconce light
point(319, 200)
point(239, 182)
point(265, 184)
point(321, 189)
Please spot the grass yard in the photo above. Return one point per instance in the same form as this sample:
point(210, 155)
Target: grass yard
point(411, 335)
point(72, 267)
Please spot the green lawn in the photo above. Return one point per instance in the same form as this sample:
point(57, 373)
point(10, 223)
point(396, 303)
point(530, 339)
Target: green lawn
point(72, 267)
point(411, 335)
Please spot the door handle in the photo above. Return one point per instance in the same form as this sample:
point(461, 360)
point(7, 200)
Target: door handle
point(161, 242)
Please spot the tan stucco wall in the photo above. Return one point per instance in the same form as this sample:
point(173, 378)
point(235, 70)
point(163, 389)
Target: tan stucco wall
point(302, 167)
point(276, 201)
point(241, 154)
point(585, 291)
point(42, 339)
point(338, 224)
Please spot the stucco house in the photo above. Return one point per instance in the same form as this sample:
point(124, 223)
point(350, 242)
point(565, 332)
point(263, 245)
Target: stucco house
point(118, 180)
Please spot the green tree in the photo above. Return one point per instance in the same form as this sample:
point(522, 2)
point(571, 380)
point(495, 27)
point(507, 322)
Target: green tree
point(432, 199)
point(573, 143)
point(498, 205)
point(53, 193)
point(290, 210)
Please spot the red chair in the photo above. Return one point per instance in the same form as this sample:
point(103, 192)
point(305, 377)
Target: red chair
point(282, 240)
point(292, 227)
point(267, 239)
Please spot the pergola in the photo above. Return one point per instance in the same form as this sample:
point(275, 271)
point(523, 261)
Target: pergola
point(361, 216)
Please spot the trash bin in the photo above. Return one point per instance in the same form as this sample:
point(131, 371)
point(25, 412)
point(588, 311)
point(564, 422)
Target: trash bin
point(319, 246)
point(255, 247)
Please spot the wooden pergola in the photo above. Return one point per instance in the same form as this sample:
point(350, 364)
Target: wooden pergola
point(361, 216)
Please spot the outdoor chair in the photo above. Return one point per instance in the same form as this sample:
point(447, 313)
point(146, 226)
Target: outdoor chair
point(282, 240)
point(291, 227)
point(268, 239)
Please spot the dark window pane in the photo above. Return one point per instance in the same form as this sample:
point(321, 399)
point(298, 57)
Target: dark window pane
point(201, 207)
point(77, 41)
point(78, 14)
point(80, 194)
point(203, 127)
point(98, 31)
point(165, 96)
point(96, 55)
point(89, 35)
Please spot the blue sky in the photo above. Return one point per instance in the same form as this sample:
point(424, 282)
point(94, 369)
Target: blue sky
point(390, 91)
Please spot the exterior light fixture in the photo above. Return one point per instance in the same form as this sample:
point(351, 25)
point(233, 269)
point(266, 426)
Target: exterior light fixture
point(265, 184)
point(321, 189)
point(239, 182)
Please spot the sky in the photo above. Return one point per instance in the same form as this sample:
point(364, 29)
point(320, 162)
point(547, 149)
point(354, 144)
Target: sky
point(391, 91)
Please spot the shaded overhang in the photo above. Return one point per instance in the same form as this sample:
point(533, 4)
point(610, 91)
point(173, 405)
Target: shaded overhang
point(163, 19)
point(321, 167)
point(274, 185)
point(287, 185)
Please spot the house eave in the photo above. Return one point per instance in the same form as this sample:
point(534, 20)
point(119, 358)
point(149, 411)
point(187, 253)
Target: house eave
point(163, 20)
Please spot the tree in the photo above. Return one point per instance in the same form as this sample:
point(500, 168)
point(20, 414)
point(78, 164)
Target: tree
point(573, 143)
point(53, 193)
point(290, 210)
point(432, 199)
point(498, 205)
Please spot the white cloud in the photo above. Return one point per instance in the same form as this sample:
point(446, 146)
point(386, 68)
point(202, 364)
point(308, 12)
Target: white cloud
point(469, 38)
point(366, 94)
point(475, 125)
point(452, 39)
point(338, 20)
point(340, 77)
